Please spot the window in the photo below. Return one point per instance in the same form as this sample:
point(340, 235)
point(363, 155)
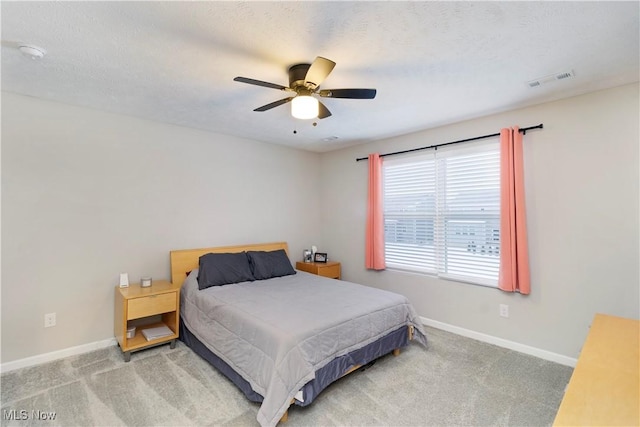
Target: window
point(442, 213)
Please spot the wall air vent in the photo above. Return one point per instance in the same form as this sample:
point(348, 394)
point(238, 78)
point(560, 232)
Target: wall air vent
point(550, 78)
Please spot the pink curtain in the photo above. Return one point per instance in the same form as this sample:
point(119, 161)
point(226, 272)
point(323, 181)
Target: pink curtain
point(514, 255)
point(374, 238)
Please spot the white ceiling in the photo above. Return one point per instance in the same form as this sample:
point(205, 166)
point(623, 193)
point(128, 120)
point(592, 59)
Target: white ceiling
point(432, 63)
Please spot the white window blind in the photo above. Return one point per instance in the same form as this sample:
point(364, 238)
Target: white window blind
point(442, 213)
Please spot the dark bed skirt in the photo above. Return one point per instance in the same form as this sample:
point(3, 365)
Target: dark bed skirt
point(324, 376)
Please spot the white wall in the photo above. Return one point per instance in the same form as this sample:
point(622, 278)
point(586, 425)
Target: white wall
point(87, 195)
point(582, 183)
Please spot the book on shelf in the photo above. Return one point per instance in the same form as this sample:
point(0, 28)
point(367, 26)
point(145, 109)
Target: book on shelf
point(157, 332)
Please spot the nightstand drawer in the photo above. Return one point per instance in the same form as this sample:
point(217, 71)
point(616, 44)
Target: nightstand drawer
point(329, 269)
point(332, 271)
point(153, 304)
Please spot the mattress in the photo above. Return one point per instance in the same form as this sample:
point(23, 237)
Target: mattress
point(277, 334)
point(323, 376)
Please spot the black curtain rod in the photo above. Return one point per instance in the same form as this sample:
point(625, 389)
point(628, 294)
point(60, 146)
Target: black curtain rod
point(523, 130)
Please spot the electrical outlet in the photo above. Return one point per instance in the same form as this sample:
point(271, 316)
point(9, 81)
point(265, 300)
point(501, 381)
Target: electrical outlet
point(49, 320)
point(504, 310)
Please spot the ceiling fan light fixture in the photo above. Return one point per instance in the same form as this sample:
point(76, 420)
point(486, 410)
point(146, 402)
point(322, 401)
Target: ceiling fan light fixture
point(304, 82)
point(304, 107)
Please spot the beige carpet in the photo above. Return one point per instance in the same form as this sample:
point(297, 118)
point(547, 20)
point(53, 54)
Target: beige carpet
point(456, 381)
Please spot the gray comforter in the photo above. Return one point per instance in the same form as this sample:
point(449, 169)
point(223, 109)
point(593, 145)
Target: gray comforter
point(276, 333)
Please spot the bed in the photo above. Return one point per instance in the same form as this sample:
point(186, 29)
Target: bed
point(283, 339)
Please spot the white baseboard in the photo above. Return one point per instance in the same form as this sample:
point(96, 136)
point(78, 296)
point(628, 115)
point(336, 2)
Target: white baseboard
point(55, 355)
point(511, 345)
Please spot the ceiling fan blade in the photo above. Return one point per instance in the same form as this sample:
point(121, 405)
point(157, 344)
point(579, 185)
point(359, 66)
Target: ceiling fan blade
point(318, 71)
point(274, 104)
point(348, 93)
point(260, 83)
point(323, 111)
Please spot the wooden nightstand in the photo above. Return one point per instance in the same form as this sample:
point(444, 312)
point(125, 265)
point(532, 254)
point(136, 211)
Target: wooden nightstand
point(136, 306)
point(327, 269)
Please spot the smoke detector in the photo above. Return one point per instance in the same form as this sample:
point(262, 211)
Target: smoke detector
point(551, 78)
point(32, 51)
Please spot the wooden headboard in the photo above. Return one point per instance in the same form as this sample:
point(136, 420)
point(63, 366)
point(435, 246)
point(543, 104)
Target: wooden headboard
point(185, 260)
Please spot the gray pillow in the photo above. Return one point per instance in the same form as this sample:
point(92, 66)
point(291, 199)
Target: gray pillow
point(223, 269)
point(265, 265)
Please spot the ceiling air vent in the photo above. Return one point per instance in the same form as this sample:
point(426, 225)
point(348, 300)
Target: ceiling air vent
point(330, 138)
point(551, 78)
point(563, 76)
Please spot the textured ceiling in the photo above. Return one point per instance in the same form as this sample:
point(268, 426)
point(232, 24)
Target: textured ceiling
point(432, 63)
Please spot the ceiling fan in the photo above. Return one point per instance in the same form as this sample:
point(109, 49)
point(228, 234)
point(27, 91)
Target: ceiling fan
point(304, 82)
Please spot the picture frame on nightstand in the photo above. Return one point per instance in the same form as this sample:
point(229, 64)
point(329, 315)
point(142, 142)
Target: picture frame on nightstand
point(320, 257)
